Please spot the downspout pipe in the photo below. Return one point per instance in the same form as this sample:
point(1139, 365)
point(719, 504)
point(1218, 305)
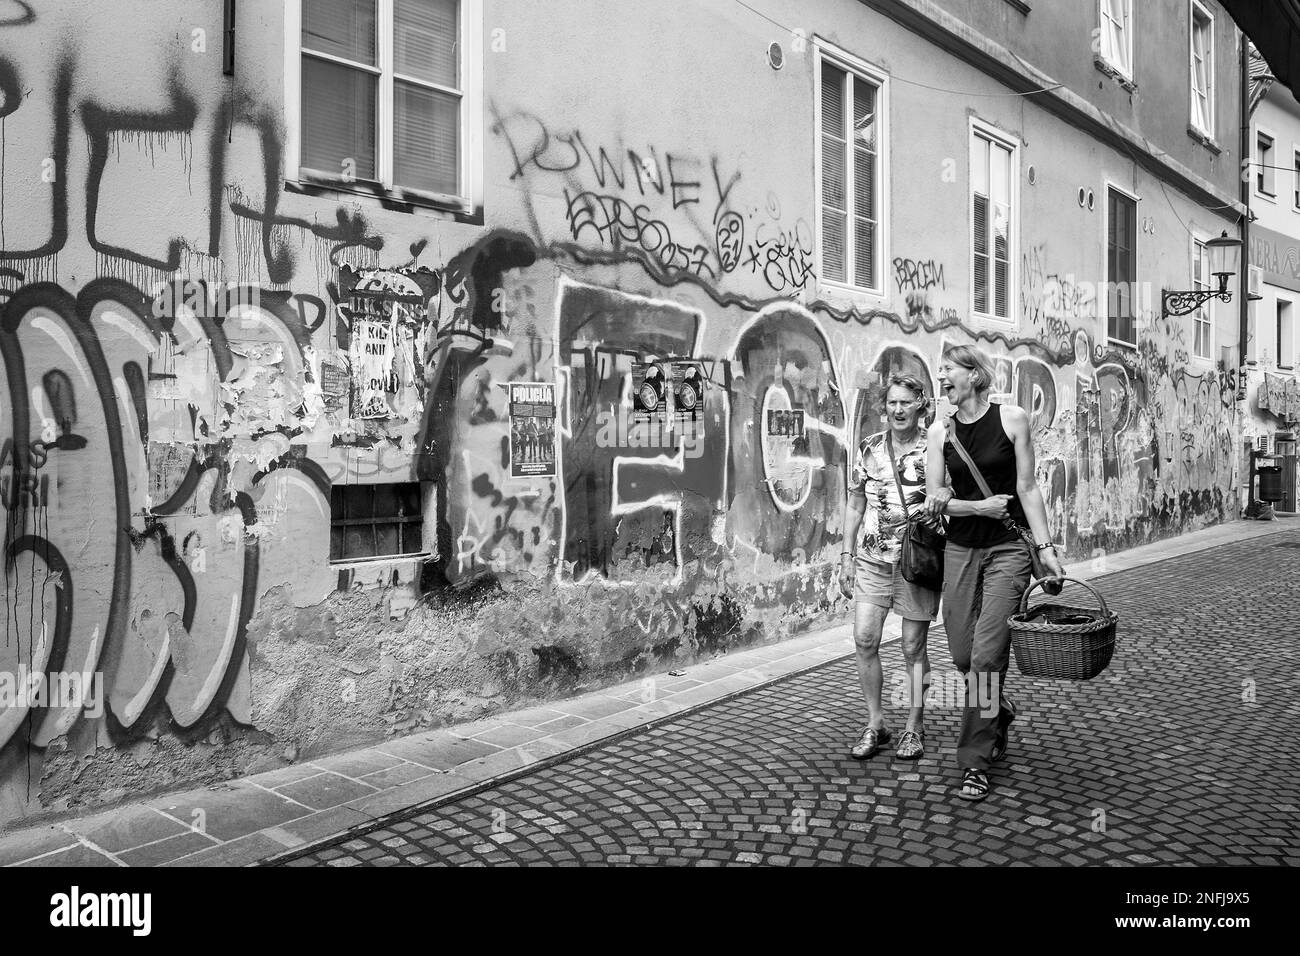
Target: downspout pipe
point(1243, 295)
point(1247, 173)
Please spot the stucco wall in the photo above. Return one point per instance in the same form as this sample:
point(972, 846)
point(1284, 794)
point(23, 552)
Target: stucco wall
point(173, 532)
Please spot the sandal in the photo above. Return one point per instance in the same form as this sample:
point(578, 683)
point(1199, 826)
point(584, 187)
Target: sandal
point(1003, 738)
point(975, 781)
point(911, 745)
point(870, 742)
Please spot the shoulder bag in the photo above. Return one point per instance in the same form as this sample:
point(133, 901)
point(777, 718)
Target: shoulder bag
point(1040, 570)
point(921, 560)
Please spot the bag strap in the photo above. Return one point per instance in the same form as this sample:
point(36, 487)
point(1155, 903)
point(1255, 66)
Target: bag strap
point(898, 484)
point(974, 470)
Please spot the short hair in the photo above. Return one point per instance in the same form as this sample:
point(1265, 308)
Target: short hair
point(975, 359)
point(910, 382)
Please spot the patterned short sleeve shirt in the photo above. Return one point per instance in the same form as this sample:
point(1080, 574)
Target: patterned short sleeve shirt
point(873, 478)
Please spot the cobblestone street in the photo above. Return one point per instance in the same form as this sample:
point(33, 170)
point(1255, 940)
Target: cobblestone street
point(1182, 752)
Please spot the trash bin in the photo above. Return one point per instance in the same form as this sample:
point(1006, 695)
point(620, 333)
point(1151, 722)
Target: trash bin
point(1270, 483)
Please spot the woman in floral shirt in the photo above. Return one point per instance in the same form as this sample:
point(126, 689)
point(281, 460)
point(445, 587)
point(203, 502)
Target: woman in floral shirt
point(874, 519)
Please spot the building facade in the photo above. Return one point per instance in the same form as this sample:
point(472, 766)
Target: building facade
point(385, 363)
point(1272, 394)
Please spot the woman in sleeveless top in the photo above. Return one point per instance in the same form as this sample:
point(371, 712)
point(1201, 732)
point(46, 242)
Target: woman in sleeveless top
point(874, 518)
point(986, 564)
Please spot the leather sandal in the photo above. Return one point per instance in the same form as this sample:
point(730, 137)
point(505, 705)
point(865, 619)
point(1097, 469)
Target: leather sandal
point(976, 782)
point(870, 742)
point(911, 745)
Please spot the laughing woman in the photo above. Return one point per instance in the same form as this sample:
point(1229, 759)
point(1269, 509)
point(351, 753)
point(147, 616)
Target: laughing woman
point(986, 564)
point(871, 571)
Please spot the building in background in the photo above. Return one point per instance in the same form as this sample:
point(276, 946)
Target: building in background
point(265, 296)
point(1273, 396)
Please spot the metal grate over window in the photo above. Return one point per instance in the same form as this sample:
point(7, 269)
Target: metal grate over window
point(375, 521)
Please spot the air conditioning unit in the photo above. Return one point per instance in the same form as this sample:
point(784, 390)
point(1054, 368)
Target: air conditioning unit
point(1254, 292)
point(1255, 282)
point(1264, 444)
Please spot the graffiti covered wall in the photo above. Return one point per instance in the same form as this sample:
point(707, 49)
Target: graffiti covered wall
point(223, 397)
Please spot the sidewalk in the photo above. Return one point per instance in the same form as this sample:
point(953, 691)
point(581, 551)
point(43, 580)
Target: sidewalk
point(288, 811)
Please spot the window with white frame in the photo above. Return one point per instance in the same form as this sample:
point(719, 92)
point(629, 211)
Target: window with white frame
point(992, 181)
point(1121, 266)
point(1264, 179)
point(382, 98)
point(1116, 40)
point(1202, 66)
point(1285, 336)
point(850, 190)
point(1202, 321)
point(1295, 198)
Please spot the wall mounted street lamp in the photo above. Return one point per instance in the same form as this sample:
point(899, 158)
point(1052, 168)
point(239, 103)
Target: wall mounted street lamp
point(1225, 258)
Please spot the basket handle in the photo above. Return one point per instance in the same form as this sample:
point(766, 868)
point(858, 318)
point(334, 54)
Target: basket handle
point(1024, 600)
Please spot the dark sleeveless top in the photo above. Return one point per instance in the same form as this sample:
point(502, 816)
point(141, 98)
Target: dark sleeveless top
point(986, 441)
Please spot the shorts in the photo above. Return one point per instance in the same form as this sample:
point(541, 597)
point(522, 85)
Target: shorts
point(881, 584)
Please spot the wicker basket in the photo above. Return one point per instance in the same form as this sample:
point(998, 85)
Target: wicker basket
point(1060, 641)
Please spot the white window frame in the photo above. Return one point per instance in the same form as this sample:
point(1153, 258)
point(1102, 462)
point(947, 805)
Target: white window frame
point(1195, 9)
point(1103, 301)
point(851, 64)
point(1277, 334)
point(1295, 173)
point(1104, 46)
point(1259, 163)
point(978, 128)
point(470, 160)
point(1204, 315)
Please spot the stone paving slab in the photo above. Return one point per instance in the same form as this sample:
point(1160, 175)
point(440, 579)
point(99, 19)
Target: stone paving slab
point(239, 852)
point(437, 751)
point(232, 811)
point(164, 851)
point(38, 841)
point(126, 827)
point(79, 854)
point(325, 790)
point(254, 818)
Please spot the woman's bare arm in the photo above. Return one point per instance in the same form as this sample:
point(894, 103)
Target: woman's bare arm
point(939, 498)
point(1016, 422)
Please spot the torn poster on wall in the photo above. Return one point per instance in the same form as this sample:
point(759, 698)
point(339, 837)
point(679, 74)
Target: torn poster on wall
point(785, 448)
point(532, 429)
point(258, 396)
point(372, 369)
point(388, 314)
point(785, 423)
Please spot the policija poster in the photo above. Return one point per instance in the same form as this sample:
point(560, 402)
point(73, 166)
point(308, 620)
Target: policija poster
point(532, 429)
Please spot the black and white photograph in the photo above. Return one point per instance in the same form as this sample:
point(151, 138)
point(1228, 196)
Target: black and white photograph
point(838, 434)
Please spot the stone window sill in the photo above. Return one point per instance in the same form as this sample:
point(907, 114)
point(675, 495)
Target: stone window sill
point(1204, 139)
point(1104, 66)
point(397, 200)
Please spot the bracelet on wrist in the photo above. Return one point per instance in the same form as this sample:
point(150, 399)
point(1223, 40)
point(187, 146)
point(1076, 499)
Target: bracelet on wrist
point(1045, 546)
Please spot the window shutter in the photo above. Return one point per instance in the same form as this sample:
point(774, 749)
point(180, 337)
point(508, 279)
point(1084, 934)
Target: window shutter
point(981, 216)
point(834, 174)
point(864, 183)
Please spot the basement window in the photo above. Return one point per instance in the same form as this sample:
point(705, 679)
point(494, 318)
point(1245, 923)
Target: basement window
point(376, 521)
